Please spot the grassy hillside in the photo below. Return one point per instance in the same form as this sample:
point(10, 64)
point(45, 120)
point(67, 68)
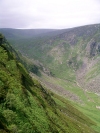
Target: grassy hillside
point(25, 106)
point(85, 101)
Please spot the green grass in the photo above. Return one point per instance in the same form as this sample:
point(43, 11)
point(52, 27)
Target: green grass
point(90, 110)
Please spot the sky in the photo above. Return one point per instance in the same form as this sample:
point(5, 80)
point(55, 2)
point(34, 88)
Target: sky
point(48, 14)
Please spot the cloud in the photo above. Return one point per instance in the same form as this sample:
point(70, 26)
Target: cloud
point(48, 13)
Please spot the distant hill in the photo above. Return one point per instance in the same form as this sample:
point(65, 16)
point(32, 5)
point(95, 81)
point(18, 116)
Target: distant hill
point(28, 33)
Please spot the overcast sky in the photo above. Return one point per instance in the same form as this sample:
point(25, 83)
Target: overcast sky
point(48, 13)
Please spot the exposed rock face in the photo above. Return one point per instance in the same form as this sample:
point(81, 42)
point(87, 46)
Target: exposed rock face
point(93, 49)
